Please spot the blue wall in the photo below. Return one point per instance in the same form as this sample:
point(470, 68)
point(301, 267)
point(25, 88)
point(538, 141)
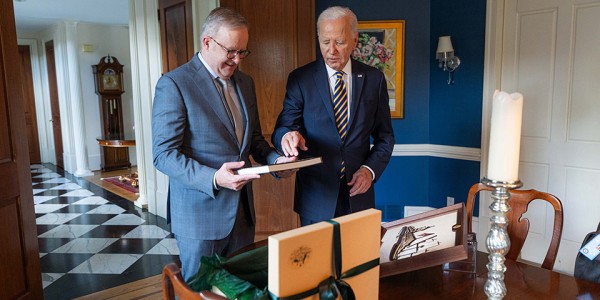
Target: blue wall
point(455, 110)
point(435, 113)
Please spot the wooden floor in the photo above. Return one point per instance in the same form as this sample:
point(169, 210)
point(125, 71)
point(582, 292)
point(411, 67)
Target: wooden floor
point(97, 180)
point(148, 288)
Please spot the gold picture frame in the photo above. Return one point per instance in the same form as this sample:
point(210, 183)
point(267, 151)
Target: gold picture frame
point(381, 45)
point(424, 240)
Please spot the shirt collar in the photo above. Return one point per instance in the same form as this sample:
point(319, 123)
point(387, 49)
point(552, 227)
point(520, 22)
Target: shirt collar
point(212, 73)
point(347, 69)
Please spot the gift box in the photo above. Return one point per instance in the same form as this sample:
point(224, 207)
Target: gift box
point(327, 259)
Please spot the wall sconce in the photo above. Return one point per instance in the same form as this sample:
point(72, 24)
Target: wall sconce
point(445, 55)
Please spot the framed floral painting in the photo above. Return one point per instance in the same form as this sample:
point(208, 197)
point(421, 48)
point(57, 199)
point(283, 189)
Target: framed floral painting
point(381, 45)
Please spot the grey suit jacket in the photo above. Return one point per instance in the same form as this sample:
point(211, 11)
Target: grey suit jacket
point(192, 136)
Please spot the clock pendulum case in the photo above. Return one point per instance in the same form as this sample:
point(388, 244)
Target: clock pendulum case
point(108, 78)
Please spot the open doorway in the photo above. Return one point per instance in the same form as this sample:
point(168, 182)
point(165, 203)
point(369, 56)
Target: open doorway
point(54, 107)
point(29, 104)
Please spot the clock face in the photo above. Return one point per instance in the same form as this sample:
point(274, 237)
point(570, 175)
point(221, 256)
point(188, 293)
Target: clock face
point(110, 80)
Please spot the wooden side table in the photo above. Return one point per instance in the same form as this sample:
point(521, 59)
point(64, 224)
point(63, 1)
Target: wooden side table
point(115, 153)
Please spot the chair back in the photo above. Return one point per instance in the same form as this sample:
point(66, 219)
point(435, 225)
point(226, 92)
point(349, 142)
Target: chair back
point(173, 285)
point(518, 227)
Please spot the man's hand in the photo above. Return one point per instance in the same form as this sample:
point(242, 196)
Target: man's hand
point(361, 182)
point(286, 173)
point(290, 143)
point(226, 177)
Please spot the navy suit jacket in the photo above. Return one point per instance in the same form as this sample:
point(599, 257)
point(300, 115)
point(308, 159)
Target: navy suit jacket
point(308, 108)
point(192, 136)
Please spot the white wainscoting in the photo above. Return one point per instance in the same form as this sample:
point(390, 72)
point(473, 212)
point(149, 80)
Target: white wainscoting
point(453, 152)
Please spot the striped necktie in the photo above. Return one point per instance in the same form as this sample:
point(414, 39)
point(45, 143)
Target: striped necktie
point(340, 107)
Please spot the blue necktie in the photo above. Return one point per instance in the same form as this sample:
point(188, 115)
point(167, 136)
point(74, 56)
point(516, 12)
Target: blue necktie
point(340, 107)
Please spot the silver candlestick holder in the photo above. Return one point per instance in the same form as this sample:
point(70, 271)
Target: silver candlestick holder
point(497, 241)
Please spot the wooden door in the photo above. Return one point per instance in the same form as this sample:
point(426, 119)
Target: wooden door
point(176, 32)
point(54, 107)
point(282, 38)
point(30, 116)
point(20, 272)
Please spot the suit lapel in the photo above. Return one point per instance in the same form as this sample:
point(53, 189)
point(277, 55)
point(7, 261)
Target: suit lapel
point(358, 79)
point(206, 84)
point(322, 84)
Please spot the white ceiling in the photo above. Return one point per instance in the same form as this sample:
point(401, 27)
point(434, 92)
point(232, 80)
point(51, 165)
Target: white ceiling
point(35, 15)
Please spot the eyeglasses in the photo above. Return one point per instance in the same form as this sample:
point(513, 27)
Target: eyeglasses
point(231, 54)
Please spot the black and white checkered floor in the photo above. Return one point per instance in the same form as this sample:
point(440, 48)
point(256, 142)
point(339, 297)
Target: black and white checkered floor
point(91, 239)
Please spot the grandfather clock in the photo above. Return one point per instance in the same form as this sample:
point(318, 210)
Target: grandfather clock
point(108, 78)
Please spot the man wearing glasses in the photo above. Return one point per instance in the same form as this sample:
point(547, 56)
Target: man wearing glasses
point(205, 126)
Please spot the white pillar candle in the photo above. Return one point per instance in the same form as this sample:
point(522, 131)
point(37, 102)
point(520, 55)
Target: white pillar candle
point(505, 137)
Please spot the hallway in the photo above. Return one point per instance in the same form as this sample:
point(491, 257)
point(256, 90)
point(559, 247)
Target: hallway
point(91, 239)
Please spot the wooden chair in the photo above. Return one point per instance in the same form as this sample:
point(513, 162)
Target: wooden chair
point(173, 285)
point(518, 227)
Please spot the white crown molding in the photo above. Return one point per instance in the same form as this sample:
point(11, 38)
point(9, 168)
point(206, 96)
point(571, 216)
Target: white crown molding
point(454, 152)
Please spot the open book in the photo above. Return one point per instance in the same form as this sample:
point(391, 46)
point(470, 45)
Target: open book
point(281, 167)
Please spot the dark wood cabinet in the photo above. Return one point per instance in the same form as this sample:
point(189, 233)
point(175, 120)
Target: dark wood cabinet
point(108, 78)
